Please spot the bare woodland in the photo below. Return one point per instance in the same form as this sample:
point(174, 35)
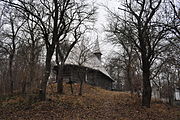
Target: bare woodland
point(33, 33)
point(146, 33)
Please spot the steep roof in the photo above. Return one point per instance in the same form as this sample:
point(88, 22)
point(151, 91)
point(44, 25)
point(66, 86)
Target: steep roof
point(96, 47)
point(80, 55)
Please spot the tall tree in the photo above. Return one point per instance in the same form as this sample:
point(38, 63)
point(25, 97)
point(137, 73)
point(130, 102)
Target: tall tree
point(82, 22)
point(129, 55)
point(55, 19)
point(10, 38)
point(33, 44)
point(147, 35)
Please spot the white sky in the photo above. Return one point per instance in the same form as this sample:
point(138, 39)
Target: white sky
point(106, 48)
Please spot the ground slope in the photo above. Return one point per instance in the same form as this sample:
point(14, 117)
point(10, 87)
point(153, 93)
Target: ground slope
point(95, 104)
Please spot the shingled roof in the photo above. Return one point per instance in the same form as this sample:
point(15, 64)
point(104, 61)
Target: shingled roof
point(80, 55)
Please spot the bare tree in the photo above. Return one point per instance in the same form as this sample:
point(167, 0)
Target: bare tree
point(126, 73)
point(33, 44)
point(129, 55)
point(55, 19)
point(175, 18)
point(83, 57)
point(10, 38)
point(82, 22)
point(147, 35)
point(80, 56)
point(115, 67)
point(169, 73)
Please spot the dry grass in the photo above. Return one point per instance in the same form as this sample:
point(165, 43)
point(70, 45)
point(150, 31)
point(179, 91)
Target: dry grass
point(95, 104)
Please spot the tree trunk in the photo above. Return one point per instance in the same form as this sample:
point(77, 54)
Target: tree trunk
point(30, 80)
point(82, 76)
point(80, 89)
point(32, 69)
point(71, 85)
point(72, 91)
point(42, 92)
point(146, 95)
point(170, 90)
point(23, 87)
point(10, 73)
point(60, 79)
point(32, 66)
point(130, 87)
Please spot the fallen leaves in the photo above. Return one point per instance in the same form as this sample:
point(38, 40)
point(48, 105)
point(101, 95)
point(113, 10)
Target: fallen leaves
point(95, 104)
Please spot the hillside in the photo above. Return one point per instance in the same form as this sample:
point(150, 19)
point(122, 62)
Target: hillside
point(95, 104)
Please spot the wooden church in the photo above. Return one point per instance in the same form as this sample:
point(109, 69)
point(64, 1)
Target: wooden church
point(85, 65)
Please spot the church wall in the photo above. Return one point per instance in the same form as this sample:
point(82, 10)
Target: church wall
point(90, 76)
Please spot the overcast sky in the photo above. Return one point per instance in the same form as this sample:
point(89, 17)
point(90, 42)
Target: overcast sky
point(102, 22)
